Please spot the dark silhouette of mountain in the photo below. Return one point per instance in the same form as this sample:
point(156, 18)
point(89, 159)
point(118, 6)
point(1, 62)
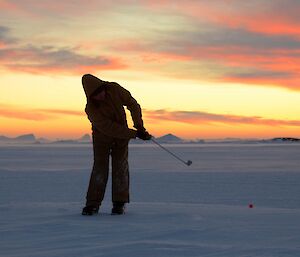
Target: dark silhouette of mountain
point(169, 138)
point(4, 138)
point(43, 140)
point(285, 139)
point(86, 138)
point(28, 138)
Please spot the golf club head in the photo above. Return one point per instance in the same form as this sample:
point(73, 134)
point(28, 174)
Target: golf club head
point(189, 162)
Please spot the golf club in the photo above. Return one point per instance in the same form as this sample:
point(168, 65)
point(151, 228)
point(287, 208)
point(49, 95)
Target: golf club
point(188, 163)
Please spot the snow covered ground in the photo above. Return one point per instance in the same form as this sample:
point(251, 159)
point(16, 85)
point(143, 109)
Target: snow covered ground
point(175, 210)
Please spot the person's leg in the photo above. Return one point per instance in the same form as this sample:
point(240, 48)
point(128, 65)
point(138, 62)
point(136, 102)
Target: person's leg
point(120, 172)
point(99, 175)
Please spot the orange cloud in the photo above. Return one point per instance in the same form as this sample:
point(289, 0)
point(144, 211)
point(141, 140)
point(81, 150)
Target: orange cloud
point(50, 60)
point(55, 123)
point(276, 66)
point(8, 6)
point(272, 67)
point(264, 25)
point(61, 112)
point(255, 21)
point(197, 117)
point(21, 113)
point(190, 117)
point(255, 16)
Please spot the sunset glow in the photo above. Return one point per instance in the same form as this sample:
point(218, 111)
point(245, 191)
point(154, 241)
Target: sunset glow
point(199, 69)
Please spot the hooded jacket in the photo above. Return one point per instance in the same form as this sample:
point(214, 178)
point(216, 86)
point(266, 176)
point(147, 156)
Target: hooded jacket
point(108, 116)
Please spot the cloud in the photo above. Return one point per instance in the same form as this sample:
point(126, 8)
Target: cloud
point(287, 79)
point(5, 37)
point(190, 117)
point(255, 15)
point(8, 6)
point(223, 36)
point(51, 60)
point(21, 113)
point(225, 55)
point(234, 41)
point(231, 40)
point(55, 9)
point(258, 16)
point(197, 117)
point(60, 112)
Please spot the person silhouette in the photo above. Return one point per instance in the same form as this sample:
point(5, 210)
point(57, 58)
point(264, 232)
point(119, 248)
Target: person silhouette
point(111, 135)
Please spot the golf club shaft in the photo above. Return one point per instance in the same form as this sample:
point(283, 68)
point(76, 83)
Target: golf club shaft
point(154, 141)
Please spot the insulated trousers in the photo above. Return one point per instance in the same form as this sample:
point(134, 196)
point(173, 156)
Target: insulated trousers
point(103, 147)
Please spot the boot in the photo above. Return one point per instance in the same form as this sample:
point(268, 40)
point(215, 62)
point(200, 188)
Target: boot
point(90, 210)
point(118, 208)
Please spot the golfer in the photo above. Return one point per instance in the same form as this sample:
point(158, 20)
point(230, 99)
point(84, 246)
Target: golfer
point(111, 135)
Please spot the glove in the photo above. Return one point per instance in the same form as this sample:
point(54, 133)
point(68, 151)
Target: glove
point(143, 134)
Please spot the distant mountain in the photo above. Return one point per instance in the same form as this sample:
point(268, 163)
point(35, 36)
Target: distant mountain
point(4, 138)
point(28, 138)
point(285, 139)
point(169, 138)
point(166, 139)
point(82, 140)
point(85, 139)
point(43, 140)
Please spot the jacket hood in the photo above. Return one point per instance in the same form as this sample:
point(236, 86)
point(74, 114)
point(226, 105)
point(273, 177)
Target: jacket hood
point(91, 83)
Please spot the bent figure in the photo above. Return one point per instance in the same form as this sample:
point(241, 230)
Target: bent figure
point(111, 135)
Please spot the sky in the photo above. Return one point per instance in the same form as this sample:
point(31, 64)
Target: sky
point(199, 69)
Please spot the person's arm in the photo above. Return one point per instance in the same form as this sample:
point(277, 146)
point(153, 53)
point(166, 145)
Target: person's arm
point(109, 127)
point(132, 105)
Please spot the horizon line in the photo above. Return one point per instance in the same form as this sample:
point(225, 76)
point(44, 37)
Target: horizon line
point(181, 138)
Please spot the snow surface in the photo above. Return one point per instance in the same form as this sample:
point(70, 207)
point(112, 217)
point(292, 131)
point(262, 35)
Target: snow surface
point(175, 210)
